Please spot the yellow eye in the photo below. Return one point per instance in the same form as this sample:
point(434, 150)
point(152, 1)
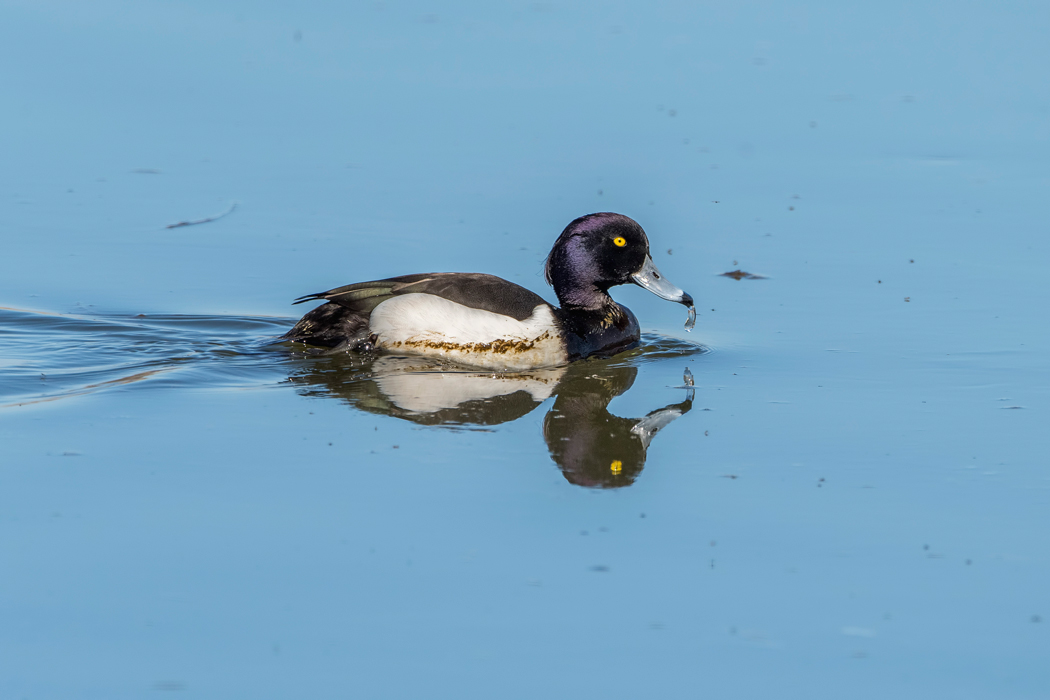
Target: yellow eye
point(620, 241)
point(617, 466)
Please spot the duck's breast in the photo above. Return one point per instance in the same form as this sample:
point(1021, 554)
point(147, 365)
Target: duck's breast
point(431, 325)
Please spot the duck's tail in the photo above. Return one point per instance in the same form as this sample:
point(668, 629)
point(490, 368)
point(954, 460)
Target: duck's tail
point(330, 325)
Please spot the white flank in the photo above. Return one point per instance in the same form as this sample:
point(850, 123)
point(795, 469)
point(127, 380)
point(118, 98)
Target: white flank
point(425, 324)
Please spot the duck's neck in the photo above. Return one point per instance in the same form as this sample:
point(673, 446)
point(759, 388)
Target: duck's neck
point(577, 295)
point(605, 328)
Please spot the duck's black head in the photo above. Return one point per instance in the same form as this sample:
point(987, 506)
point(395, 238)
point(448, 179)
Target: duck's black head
point(599, 251)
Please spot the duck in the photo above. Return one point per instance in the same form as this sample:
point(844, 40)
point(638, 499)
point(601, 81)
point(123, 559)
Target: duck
point(484, 321)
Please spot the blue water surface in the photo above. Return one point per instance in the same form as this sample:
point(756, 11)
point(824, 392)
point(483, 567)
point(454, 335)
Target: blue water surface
point(852, 500)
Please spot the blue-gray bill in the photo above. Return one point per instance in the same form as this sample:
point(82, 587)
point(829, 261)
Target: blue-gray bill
point(648, 277)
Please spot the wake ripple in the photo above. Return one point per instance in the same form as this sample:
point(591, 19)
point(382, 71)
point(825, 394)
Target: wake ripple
point(46, 357)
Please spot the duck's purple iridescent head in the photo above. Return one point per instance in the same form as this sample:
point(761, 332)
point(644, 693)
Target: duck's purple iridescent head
point(599, 251)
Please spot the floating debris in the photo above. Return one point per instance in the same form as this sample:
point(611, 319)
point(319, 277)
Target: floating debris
point(741, 275)
point(206, 220)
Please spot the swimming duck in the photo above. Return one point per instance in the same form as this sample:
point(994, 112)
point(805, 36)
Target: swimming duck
point(485, 321)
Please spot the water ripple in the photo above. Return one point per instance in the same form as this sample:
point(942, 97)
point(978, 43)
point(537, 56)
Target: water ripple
point(45, 356)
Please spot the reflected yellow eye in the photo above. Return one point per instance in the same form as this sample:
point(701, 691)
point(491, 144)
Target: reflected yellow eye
point(617, 466)
point(620, 241)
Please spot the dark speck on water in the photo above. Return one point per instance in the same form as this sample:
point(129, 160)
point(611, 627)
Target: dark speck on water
point(205, 220)
point(741, 275)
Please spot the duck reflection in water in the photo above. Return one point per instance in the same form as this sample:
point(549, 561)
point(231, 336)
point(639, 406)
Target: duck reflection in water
point(593, 447)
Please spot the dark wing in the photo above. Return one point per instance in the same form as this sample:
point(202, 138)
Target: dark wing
point(477, 291)
point(344, 319)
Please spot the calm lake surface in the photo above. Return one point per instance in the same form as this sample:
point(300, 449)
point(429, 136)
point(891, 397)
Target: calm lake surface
point(836, 486)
